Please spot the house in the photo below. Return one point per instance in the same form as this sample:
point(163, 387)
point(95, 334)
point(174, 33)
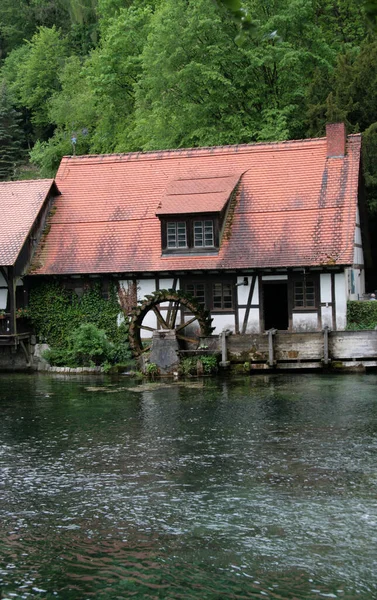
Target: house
point(24, 206)
point(265, 235)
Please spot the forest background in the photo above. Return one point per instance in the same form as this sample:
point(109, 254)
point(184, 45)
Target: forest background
point(102, 76)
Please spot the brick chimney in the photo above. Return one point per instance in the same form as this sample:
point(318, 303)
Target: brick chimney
point(336, 140)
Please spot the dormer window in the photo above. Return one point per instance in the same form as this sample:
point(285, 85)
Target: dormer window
point(176, 234)
point(193, 211)
point(189, 235)
point(203, 234)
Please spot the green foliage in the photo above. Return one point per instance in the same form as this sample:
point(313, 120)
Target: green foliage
point(208, 362)
point(152, 370)
point(361, 315)
point(125, 75)
point(66, 322)
point(86, 346)
point(10, 136)
point(89, 344)
point(37, 77)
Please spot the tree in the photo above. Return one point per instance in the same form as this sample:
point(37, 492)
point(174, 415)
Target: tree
point(10, 136)
point(37, 77)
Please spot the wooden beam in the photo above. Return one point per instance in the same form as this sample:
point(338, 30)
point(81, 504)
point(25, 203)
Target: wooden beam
point(249, 301)
point(4, 274)
point(12, 301)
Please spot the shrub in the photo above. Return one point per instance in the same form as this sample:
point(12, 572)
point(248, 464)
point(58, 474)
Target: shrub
point(361, 314)
point(89, 345)
point(86, 346)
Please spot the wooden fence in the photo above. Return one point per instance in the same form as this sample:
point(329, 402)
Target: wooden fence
point(307, 350)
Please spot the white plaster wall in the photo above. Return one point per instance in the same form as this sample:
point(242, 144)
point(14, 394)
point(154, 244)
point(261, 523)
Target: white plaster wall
point(255, 299)
point(167, 284)
point(359, 284)
point(304, 321)
point(341, 300)
point(221, 322)
point(358, 256)
point(326, 314)
point(2, 281)
point(3, 299)
point(144, 287)
point(253, 325)
point(244, 290)
point(325, 286)
point(358, 239)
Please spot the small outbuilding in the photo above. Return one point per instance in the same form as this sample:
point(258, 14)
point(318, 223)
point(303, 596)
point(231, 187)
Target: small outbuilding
point(24, 206)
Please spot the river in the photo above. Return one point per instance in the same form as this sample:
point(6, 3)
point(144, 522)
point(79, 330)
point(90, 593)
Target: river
point(254, 487)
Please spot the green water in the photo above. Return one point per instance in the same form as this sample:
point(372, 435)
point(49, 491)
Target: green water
point(262, 487)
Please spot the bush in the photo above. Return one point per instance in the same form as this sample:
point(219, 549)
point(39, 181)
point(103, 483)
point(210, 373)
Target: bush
point(87, 346)
point(361, 314)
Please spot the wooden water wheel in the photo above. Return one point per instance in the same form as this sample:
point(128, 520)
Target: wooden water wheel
point(173, 310)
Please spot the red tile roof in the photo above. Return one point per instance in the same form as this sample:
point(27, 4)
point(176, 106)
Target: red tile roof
point(193, 194)
point(294, 207)
point(20, 203)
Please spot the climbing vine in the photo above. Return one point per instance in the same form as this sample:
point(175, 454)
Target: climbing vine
point(57, 313)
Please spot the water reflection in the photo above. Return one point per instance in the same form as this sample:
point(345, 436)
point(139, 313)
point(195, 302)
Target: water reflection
point(257, 487)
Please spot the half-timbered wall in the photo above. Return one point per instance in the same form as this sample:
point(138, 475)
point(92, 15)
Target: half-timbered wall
point(248, 313)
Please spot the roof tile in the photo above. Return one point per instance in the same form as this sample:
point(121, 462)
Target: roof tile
point(294, 207)
point(20, 203)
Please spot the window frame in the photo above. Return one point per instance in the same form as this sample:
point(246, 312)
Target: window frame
point(177, 224)
point(303, 280)
point(190, 221)
point(208, 284)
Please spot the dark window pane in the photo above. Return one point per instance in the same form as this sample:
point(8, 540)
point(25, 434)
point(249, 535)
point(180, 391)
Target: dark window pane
point(196, 290)
point(198, 234)
point(222, 297)
point(304, 294)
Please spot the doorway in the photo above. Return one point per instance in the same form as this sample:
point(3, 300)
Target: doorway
point(275, 305)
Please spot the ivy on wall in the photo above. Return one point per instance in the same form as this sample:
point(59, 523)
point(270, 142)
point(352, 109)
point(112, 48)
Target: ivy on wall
point(361, 314)
point(56, 313)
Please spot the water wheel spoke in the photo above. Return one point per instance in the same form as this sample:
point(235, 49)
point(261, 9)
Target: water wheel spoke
point(173, 315)
point(185, 324)
point(186, 339)
point(146, 327)
point(160, 318)
point(146, 349)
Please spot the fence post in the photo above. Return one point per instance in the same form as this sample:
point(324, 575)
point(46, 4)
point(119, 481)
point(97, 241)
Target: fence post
point(224, 351)
point(271, 360)
point(326, 358)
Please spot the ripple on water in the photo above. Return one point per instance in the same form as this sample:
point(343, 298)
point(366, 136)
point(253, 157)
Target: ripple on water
point(264, 488)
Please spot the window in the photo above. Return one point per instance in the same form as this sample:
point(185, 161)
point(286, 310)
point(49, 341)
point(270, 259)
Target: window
point(214, 294)
point(190, 235)
point(203, 234)
point(222, 297)
point(176, 234)
point(304, 293)
point(197, 290)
